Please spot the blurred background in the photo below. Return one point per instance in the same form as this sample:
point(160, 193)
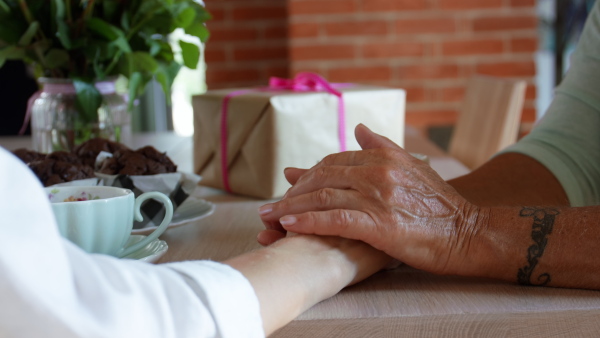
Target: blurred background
point(427, 47)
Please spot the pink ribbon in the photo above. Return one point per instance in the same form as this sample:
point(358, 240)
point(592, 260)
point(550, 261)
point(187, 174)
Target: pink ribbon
point(104, 87)
point(302, 82)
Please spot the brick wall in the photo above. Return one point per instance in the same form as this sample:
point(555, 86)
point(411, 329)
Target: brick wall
point(248, 43)
point(428, 47)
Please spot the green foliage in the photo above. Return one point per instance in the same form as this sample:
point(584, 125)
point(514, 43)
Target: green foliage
point(90, 40)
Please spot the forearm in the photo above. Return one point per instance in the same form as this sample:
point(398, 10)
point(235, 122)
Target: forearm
point(551, 246)
point(511, 179)
point(297, 272)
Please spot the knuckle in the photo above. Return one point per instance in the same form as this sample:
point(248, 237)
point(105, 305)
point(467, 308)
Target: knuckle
point(320, 173)
point(323, 197)
point(343, 218)
point(327, 160)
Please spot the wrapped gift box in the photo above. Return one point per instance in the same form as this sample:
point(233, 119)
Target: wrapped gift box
point(269, 130)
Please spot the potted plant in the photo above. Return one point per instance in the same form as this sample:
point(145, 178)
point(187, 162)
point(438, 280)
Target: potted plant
point(78, 48)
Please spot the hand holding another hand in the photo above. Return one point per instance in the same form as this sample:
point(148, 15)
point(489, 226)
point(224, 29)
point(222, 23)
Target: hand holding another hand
point(382, 196)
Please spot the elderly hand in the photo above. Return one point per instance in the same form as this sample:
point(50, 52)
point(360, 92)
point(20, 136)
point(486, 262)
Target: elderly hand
point(383, 196)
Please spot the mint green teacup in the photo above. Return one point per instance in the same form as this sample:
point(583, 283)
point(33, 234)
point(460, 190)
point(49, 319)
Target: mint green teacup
point(99, 219)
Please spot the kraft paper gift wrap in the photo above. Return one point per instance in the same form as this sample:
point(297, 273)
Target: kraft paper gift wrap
point(268, 131)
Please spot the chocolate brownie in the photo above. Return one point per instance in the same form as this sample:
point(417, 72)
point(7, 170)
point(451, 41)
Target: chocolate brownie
point(144, 161)
point(89, 150)
point(27, 155)
point(52, 171)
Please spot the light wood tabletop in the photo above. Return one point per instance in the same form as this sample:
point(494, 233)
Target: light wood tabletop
point(403, 302)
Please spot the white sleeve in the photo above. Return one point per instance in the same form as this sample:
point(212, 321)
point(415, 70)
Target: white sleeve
point(51, 288)
point(567, 138)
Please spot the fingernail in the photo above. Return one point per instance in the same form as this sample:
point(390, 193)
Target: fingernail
point(287, 220)
point(265, 209)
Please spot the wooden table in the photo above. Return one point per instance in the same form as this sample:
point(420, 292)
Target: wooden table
point(398, 303)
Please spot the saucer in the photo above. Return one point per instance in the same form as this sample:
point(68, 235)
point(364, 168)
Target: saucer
point(192, 209)
point(150, 253)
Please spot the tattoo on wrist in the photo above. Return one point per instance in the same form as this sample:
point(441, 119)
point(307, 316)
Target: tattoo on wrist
point(543, 221)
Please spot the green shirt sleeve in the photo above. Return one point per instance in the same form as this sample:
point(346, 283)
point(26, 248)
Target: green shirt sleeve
point(567, 139)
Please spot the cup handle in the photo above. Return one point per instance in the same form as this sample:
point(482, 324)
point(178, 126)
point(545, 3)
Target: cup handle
point(138, 216)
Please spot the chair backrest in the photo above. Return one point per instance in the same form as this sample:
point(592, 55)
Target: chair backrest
point(489, 119)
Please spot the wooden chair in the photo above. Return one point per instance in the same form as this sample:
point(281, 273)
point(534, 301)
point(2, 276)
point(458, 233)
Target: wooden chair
point(489, 119)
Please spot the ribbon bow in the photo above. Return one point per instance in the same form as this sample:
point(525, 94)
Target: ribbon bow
point(302, 82)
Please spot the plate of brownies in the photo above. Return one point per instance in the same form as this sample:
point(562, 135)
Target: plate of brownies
point(104, 162)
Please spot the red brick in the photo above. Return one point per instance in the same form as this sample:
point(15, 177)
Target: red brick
point(531, 92)
point(394, 5)
point(451, 94)
point(281, 71)
point(421, 118)
point(233, 34)
point(217, 14)
point(356, 28)
point(304, 30)
point(299, 7)
point(212, 55)
point(415, 94)
point(298, 68)
point(260, 53)
point(472, 47)
point(249, 13)
point(469, 4)
point(360, 74)
point(504, 23)
point(428, 71)
point(507, 69)
point(392, 49)
point(224, 76)
point(528, 114)
point(276, 32)
point(522, 3)
point(322, 52)
point(425, 26)
point(524, 45)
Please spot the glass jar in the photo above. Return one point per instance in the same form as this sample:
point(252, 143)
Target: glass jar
point(57, 124)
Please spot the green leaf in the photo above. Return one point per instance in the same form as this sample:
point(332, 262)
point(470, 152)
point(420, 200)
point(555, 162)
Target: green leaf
point(155, 47)
point(201, 14)
point(111, 9)
point(11, 29)
point(60, 10)
point(98, 66)
point(110, 32)
point(63, 35)
point(199, 30)
point(11, 53)
point(135, 82)
point(190, 53)
point(165, 77)
point(185, 18)
point(29, 34)
point(125, 65)
point(56, 58)
point(88, 97)
point(144, 62)
point(125, 21)
point(4, 6)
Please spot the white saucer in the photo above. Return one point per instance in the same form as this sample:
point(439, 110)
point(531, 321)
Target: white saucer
point(192, 209)
point(150, 253)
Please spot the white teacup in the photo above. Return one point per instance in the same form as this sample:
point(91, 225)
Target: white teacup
point(99, 219)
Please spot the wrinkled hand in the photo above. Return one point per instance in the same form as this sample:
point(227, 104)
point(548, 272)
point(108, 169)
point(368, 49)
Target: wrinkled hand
point(381, 195)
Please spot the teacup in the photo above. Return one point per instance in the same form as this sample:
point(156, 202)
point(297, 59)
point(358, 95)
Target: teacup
point(99, 219)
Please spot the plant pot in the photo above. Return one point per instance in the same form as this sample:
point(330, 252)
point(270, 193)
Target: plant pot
point(57, 123)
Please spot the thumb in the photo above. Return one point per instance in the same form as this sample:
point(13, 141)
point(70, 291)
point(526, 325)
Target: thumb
point(370, 140)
